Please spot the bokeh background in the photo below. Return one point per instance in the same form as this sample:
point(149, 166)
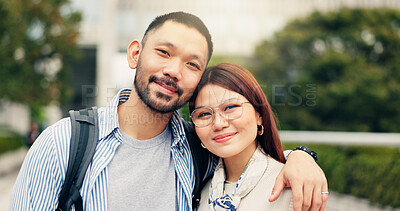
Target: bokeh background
point(330, 69)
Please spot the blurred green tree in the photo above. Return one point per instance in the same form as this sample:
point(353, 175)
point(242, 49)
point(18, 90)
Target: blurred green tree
point(335, 71)
point(37, 38)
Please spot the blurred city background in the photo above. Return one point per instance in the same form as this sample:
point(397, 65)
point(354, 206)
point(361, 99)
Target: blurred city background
point(330, 69)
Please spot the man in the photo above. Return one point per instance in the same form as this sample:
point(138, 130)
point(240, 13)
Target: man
point(142, 159)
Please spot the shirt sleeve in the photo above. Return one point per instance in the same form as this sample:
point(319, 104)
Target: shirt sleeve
point(41, 175)
point(286, 153)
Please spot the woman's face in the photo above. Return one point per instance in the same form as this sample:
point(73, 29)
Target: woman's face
point(227, 137)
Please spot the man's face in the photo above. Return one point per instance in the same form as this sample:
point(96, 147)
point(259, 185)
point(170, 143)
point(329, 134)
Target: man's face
point(169, 66)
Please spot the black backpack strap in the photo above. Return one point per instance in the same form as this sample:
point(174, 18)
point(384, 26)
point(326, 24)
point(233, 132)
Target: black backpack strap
point(201, 158)
point(84, 137)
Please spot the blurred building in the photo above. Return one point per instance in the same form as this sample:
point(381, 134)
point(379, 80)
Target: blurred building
point(236, 26)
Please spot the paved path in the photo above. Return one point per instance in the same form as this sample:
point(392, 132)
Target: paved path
point(340, 202)
point(11, 162)
point(6, 184)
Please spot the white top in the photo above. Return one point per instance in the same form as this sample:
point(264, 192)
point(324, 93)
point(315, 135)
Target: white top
point(257, 198)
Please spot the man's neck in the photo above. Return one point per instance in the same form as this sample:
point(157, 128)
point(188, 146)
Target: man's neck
point(138, 121)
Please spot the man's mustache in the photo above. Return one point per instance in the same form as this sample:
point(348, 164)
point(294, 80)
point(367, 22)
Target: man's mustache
point(167, 81)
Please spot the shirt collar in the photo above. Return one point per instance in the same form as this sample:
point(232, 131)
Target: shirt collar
point(178, 129)
point(108, 119)
point(108, 116)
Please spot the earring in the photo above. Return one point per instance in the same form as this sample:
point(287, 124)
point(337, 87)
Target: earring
point(202, 145)
point(260, 130)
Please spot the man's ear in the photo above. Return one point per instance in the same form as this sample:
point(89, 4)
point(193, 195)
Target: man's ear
point(134, 50)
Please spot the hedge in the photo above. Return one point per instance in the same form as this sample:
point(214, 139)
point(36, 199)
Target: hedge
point(366, 172)
point(9, 140)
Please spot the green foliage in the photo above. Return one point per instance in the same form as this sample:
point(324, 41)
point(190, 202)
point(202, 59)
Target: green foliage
point(184, 112)
point(216, 59)
point(9, 140)
point(335, 71)
point(367, 172)
point(36, 39)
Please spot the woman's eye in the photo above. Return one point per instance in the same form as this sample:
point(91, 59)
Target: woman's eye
point(194, 65)
point(230, 107)
point(204, 115)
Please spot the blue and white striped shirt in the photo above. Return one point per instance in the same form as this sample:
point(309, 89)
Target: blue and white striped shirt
point(43, 172)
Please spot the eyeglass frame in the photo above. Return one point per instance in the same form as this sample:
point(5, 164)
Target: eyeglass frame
point(213, 109)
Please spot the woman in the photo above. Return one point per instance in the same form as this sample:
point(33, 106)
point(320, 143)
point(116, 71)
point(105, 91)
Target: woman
point(234, 121)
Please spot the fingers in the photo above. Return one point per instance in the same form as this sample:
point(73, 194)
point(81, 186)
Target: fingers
point(324, 196)
point(316, 199)
point(307, 181)
point(308, 192)
point(277, 189)
point(297, 196)
point(324, 201)
point(320, 196)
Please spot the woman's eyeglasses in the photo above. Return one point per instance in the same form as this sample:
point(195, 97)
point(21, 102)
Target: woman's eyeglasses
point(203, 116)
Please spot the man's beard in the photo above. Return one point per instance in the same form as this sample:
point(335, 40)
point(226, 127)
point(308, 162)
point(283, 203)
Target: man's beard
point(155, 102)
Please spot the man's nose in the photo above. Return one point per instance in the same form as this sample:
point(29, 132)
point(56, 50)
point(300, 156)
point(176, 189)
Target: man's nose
point(174, 69)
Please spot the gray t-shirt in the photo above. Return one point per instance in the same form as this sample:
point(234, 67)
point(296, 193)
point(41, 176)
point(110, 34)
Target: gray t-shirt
point(142, 175)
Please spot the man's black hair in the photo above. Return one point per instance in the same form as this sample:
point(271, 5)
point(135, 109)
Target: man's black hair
point(183, 18)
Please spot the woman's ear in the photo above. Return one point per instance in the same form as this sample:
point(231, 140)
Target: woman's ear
point(133, 51)
point(259, 120)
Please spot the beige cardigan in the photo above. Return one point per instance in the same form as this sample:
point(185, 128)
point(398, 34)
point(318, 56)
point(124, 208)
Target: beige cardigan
point(257, 199)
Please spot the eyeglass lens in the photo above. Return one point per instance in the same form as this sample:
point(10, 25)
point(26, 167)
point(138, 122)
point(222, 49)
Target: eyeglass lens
point(202, 117)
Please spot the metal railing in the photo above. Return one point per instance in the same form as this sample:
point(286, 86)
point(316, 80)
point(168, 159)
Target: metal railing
point(341, 138)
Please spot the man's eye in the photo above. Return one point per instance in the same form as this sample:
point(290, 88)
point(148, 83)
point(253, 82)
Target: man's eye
point(194, 65)
point(163, 52)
